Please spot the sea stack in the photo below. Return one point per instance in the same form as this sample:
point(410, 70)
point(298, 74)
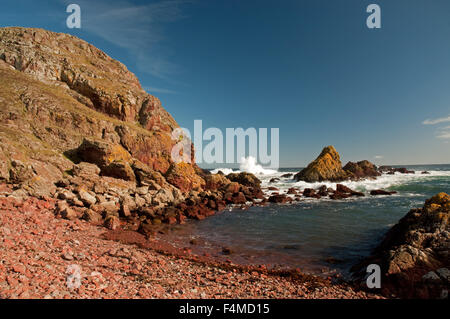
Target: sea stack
point(326, 167)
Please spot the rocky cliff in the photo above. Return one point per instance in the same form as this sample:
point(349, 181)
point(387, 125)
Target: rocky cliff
point(76, 125)
point(414, 255)
point(57, 90)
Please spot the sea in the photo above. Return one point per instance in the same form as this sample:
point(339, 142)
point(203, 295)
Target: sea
point(318, 236)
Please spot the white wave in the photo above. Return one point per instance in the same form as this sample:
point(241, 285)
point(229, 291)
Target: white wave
point(226, 171)
point(250, 165)
point(384, 181)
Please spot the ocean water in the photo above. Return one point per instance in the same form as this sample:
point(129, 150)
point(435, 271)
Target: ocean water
point(318, 236)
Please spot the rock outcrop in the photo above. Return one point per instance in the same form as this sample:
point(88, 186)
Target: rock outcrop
point(57, 90)
point(77, 126)
point(362, 169)
point(415, 254)
point(326, 167)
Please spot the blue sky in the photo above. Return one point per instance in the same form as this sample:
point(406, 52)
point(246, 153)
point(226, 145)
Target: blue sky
point(311, 68)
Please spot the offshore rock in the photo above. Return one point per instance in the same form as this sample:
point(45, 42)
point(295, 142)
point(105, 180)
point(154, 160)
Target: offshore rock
point(326, 167)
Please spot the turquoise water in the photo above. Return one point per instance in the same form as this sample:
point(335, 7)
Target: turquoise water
point(319, 236)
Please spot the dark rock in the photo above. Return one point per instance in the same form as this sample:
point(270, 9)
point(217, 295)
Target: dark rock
point(227, 251)
point(279, 199)
point(322, 190)
point(244, 178)
point(362, 169)
point(377, 192)
point(309, 192)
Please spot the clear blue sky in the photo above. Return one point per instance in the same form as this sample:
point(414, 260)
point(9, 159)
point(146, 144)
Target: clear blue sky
point(311, 68)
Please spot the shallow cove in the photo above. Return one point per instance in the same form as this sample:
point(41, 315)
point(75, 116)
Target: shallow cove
point(317, 236)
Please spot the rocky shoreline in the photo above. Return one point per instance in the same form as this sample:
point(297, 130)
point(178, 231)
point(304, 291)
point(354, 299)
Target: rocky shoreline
point(40, 255)
point(86, 168)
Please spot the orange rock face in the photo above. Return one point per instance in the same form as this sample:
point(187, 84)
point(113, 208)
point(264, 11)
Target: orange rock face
point(57, 90)
point(326, 167)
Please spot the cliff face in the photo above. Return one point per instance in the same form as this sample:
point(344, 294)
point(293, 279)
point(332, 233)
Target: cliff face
point(76, 126)
point(56, 91)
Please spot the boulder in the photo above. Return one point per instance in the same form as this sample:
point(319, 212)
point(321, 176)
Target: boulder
point(362, 169)
point(378, 192)
point(184, 177)
point(279, 199)
point(85, 170)
point(244, 178)
point(87, 198)
point(112, 159)
point(92, 216)
point(112, 222)
point(326, 167)
point(148, 177)
point(215, 181)
point(309, 192)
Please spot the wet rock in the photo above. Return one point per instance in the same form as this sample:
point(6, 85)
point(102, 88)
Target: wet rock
point(246, 179)
point(362, 169)
point(274, 180)
point(378, 192)
point(309, 192)
point(288, 175)
point(322, 190)
point(343, 189)
point(232, 188)
point(391, 170)
point(279, 199)
point(239, 198)
point(215, 181)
